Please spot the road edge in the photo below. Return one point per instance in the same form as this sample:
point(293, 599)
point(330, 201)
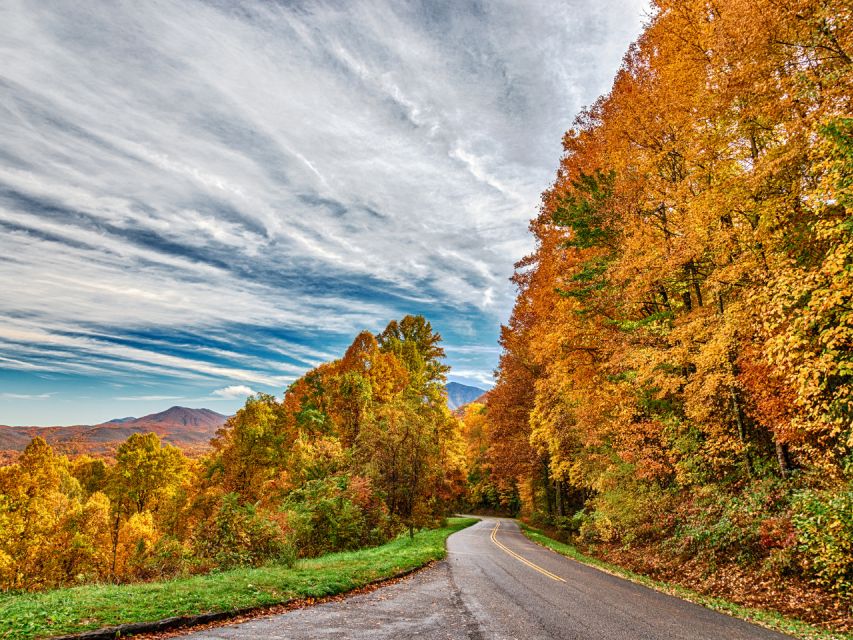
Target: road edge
point(204, 620)
point(770, 620)
point(188, 623)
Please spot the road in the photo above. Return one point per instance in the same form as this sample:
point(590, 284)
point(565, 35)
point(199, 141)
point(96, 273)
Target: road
point(496, 583)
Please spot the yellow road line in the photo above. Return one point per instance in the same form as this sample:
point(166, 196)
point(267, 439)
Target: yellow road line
point(522, 559)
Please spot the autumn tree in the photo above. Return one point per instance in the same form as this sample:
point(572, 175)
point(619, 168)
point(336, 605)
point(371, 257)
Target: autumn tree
point(411, 445)
point(251, 448)
point(144, 476)
point(36, 494)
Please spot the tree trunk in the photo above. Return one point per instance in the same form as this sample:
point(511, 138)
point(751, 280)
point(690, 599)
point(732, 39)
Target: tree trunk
point(115, 545)
point(694, 278)
point(532, 493)
point(782, 457)
point(665, 298)
point(549, 493)
point(559, 497)
point(741, 428)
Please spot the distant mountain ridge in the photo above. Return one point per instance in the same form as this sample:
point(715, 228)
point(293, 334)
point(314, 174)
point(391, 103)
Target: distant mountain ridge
point(459, 395)
point(190, 429)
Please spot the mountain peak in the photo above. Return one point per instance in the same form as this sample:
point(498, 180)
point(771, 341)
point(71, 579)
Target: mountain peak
point(185, 416)
point(459, 394)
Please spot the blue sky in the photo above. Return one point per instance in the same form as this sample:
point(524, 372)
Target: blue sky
point(199, 200)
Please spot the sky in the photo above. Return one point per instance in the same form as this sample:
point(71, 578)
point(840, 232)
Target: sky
point(202, 200)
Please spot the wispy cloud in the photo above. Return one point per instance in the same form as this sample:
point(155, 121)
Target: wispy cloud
point(229, 191)
point(26, 396)
point(477, 377)
point(150, 398)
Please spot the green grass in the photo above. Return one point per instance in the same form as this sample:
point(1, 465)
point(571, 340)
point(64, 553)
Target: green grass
point(769, 619)
point(76, 609)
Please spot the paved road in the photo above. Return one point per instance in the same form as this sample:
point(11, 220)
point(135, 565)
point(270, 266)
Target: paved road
point(495, 583)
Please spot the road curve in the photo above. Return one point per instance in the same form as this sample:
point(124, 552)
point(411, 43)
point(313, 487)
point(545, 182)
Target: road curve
point(496, 583)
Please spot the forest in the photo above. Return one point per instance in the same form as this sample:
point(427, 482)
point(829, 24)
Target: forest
point(359, 450)
point(676, 383)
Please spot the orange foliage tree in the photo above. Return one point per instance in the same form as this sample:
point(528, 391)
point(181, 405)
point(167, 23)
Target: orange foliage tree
point(685, 320)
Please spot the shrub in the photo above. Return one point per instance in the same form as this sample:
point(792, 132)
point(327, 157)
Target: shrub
point(335, 514)
point(824, 524)
point(746, 523)
point(136, 538)
point(596, 526)
point(168, 557)
point(626, 509)
point(240, 535)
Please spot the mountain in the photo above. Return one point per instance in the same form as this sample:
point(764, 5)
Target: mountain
point(461, 394)
point(198, 418)
point(189, 429)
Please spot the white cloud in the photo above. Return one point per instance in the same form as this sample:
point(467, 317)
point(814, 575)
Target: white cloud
point(476, 377)
point(234, 391)
point(26, 396)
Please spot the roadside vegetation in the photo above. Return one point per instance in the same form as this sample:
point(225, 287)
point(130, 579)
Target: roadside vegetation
point(77, 609)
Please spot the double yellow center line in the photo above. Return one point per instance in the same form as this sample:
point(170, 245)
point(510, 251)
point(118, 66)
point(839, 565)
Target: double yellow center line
point(536, 567)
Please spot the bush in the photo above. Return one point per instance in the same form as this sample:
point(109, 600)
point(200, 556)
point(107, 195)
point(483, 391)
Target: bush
point(136, 538)
point(595, 526)
point(747, 524)
point(626, 509)
point(240, 535)
point(168, 558)
point(824, 525)
point(335, 514)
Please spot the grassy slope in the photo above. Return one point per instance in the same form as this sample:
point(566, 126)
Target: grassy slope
point(764, 618)
point(76, 609)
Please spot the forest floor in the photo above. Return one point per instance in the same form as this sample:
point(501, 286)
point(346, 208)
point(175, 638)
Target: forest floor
point(78, 609)
point(796, 608)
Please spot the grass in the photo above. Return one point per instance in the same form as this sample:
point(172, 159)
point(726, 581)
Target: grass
point(769, 619)
point(77, 609)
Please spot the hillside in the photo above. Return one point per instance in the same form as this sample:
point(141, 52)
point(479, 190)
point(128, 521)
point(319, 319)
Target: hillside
point(189, 429)
point(461, 394)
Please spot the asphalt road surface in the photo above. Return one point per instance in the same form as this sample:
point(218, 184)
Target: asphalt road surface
point(495, 583)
